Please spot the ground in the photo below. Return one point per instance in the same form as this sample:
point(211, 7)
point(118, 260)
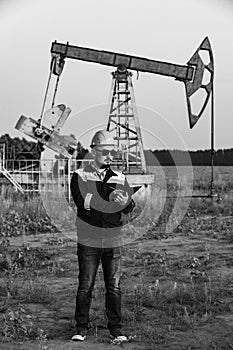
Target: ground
point(177, 288)
point(54, 312)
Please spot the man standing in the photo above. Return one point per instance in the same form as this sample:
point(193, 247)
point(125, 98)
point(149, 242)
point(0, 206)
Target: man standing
point(101, 196)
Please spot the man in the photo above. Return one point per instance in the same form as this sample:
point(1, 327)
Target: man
point(101, 196)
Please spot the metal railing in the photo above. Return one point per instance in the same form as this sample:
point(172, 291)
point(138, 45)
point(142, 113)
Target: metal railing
point(54, 175)
point(41, 175)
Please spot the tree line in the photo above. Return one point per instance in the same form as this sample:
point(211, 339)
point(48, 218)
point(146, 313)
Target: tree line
point(221, 157)
point(20, 148)
point(16, 147)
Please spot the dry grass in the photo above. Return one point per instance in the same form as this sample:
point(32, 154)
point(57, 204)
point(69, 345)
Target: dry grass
point(177, 284)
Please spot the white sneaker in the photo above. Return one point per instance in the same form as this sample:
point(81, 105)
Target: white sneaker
point(118, 336)
point(80, 336)
point(121, 338)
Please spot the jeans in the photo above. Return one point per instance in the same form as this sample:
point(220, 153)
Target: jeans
point(89, 259)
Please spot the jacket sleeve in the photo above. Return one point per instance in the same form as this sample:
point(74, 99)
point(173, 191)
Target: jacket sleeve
point(78, 189)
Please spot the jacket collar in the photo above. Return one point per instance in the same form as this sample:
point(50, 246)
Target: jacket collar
point(92, 169)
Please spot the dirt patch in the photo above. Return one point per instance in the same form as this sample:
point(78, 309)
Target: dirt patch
point(177, 291)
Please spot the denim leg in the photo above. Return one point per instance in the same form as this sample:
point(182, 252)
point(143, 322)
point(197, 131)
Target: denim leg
point(88, 258)
point(111, 263)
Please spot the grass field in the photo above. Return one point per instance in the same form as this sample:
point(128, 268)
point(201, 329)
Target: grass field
point(177, 279)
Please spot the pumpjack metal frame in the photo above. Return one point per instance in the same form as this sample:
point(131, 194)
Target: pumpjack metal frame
point(124, 121)
point(191, 74)
point(123, 117)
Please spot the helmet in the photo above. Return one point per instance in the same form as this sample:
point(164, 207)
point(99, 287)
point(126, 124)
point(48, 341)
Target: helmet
point(102, 138)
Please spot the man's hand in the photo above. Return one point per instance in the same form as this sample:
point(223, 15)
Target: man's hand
point(119, 196)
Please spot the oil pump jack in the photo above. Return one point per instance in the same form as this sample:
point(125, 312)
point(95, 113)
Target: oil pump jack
point(123, 118)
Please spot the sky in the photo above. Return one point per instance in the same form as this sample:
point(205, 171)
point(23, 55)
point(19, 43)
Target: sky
point(164, 30)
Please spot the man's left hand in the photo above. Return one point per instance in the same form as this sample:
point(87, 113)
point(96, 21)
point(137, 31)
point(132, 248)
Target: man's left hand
point(118, 197)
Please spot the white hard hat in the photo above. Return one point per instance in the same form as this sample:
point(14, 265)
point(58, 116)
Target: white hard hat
point(102, 138)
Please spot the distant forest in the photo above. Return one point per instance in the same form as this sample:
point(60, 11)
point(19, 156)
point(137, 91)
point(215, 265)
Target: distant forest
point(199, 157)
point(16, 148)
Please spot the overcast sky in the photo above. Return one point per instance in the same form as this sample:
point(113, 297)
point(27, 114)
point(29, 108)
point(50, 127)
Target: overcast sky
point(165, 30)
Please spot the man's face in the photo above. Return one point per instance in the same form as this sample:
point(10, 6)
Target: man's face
point(104, 155)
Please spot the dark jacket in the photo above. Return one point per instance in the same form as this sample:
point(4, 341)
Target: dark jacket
point(103, 214)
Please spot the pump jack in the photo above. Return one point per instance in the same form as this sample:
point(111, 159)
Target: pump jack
point(123, 118)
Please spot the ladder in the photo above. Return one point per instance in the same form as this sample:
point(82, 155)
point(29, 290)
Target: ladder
point(10, 178)
point(124, 123)
point(5, 172)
